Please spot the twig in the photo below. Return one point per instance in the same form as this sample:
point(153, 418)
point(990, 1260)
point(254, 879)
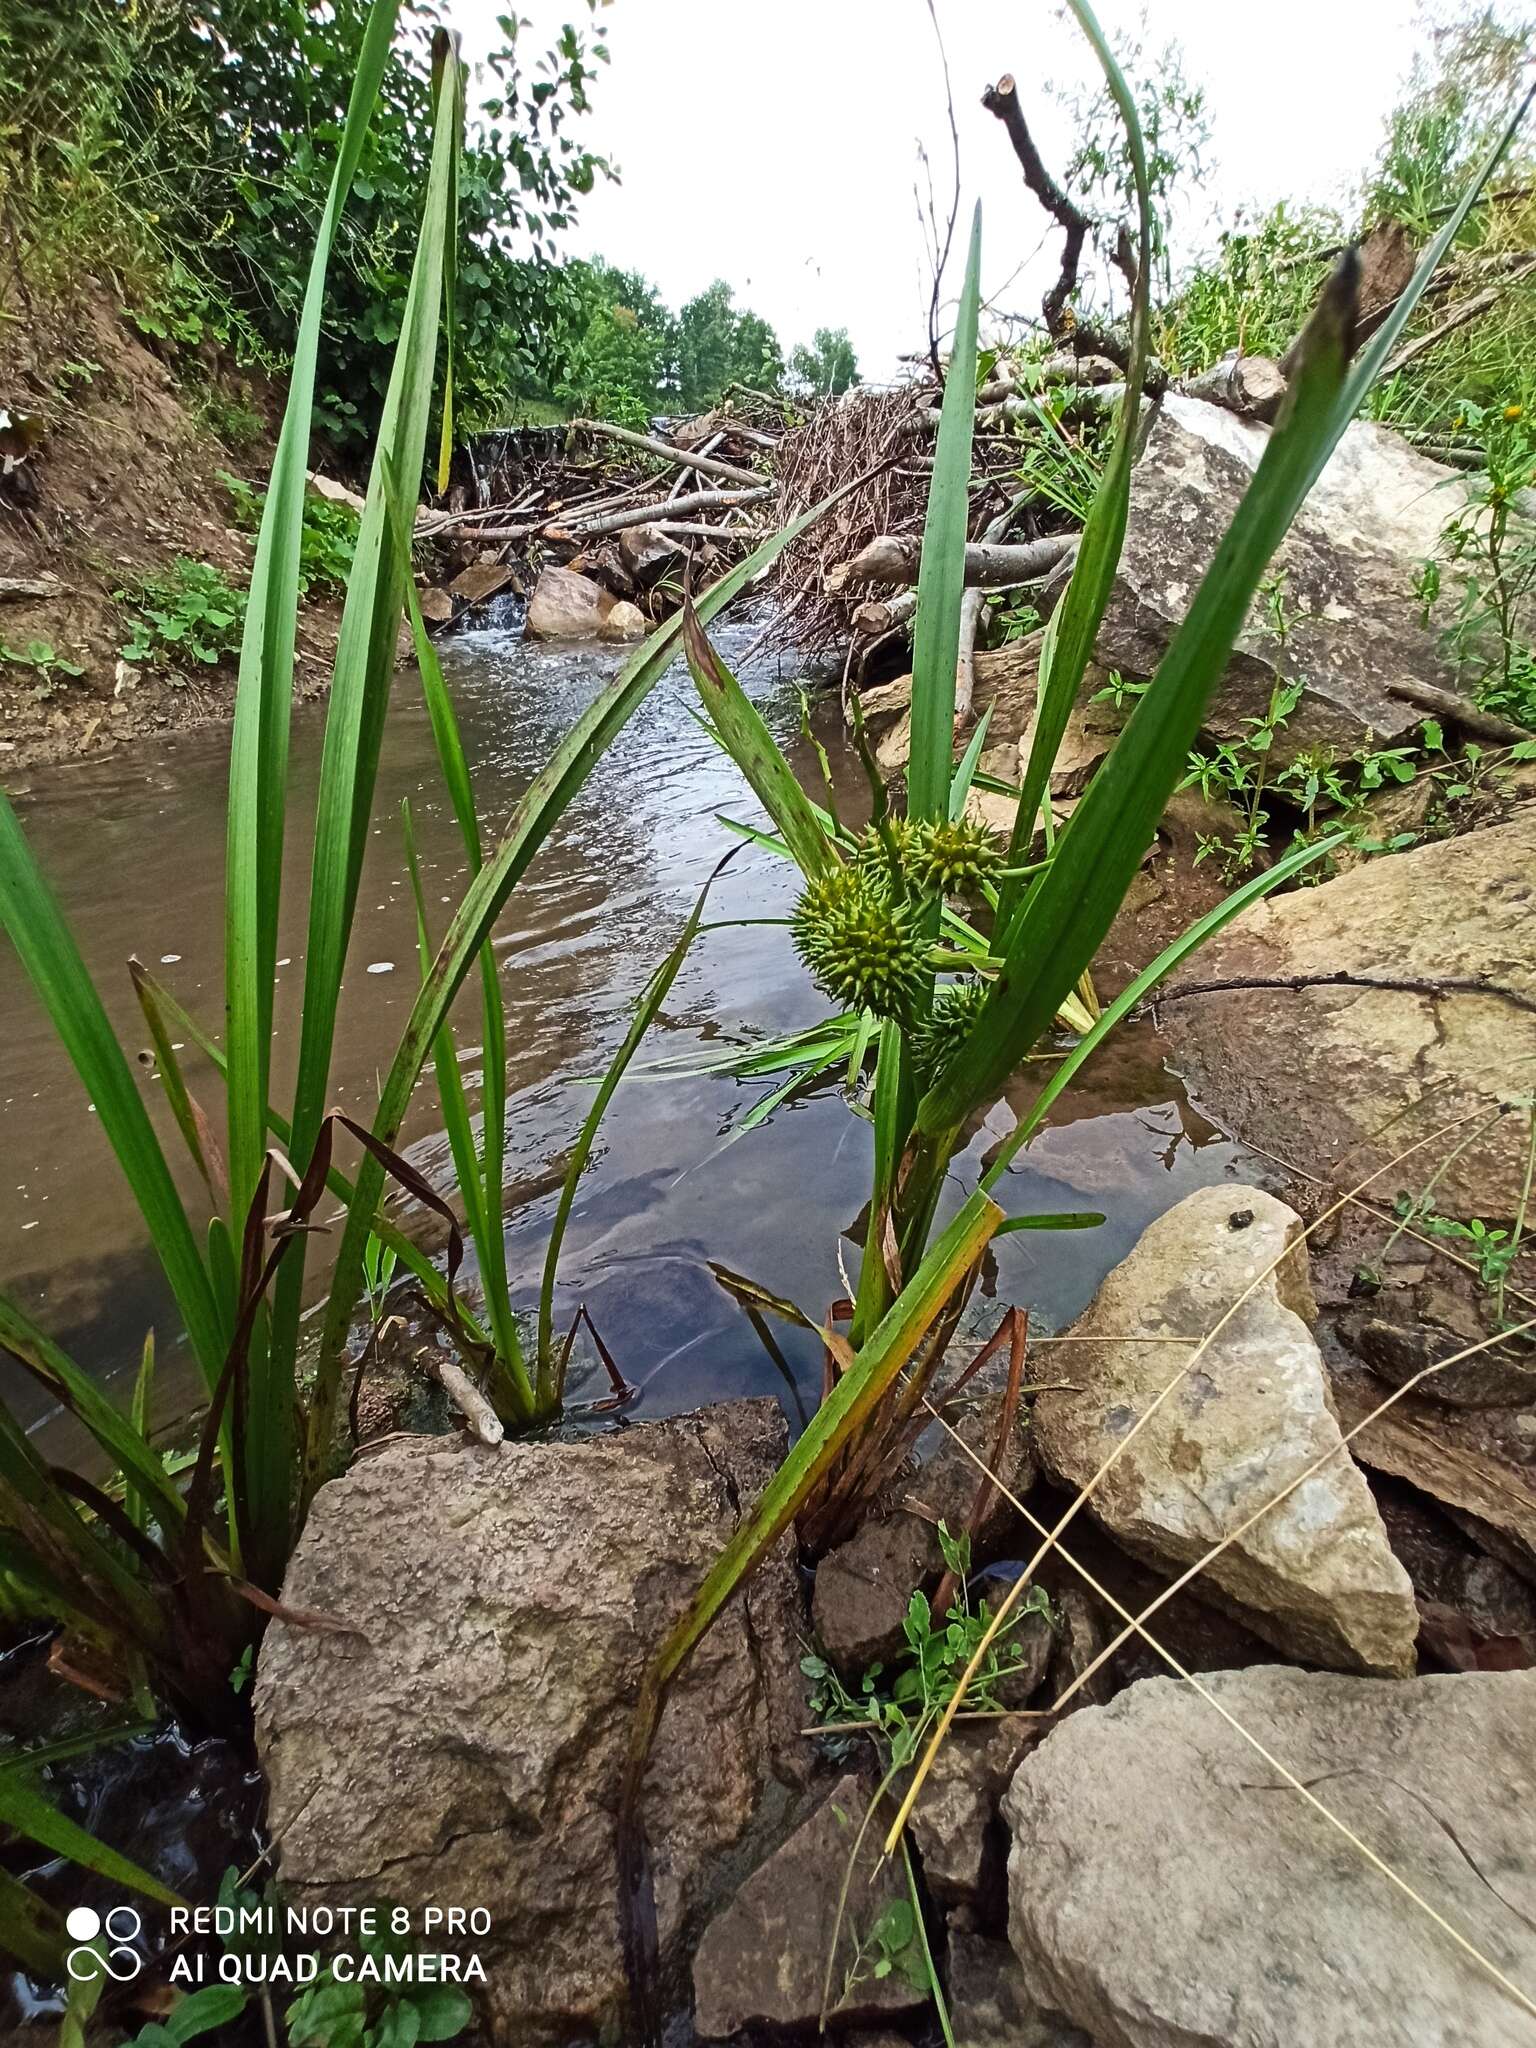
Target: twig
point(480, 1418)
point(896, 558)
point(647, 515)
point(1002, 100)
point(710, 465)
point(1406, 984)
point(1469, 309)
point(1483, 725)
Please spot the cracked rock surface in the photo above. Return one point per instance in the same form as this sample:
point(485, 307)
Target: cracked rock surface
point(1365, 1072)
point(465, 1748)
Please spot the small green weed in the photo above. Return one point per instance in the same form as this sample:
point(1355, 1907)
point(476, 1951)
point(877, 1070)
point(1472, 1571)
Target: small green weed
point(328, 539)
point(230, 420)
point(1492, 1250)
point(350, 2014)
point(1495, 556)
point(188, 613)
point(51, 667)
point(1009, 618)
point(899, 1706)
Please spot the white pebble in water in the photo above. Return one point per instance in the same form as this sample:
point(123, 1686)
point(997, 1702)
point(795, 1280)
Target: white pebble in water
point(169, 959)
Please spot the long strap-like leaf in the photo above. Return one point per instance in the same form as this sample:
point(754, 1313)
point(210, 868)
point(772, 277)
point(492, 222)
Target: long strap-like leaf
point(545, 801)
point(258, 758)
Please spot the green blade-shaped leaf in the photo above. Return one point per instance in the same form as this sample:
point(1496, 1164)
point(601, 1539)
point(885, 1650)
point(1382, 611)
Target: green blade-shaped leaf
point(739, 727)
point(360, 685)
point(1074, 625)
point(1141, 987)
point(25, 1809)
point(30, 913)
point(655, 994)
point(1069, 910)
point(546, 799)
point(258, 758)
point(139, 1463)
point(941, 573)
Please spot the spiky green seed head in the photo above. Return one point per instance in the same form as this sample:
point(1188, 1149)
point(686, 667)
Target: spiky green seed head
point(871, 857)
point(942, 1033)
point(952, 858)
point(863, 949)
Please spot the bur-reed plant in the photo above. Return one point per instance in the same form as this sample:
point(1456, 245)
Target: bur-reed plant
point(1050, 916)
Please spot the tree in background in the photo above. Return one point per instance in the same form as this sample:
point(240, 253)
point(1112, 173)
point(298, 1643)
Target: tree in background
point(188, 152)
point(829, 367)
point(717, 346)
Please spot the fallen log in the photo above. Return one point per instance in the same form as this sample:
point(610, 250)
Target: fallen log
point(1251, 386)
point(1077, 402)
point(1469, 309)
point(708, 465)
point(972, 605)
point(651, 515)
point(895, 558)
point(1057, 369)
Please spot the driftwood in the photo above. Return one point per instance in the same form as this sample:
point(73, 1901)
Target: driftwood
point(649, 515)
point(1058, 369)
point(1446, 704)
point(972, 605)
point(1250, 385)
point(708, 465)
point(1077, 403)
point(480, 1418)
point(894, 558)
point(1469, 309)
point(1002, 100)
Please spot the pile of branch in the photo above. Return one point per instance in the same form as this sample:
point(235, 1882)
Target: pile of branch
point(528, 498)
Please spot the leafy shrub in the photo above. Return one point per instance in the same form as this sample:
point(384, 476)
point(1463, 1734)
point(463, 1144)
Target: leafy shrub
point(188, 612)
point(327, 540)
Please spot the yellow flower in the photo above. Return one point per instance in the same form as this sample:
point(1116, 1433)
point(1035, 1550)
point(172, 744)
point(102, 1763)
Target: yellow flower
point(1513, 412)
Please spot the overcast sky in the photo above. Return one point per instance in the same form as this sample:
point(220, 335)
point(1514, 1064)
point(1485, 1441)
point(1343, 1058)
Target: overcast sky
point(777, 146)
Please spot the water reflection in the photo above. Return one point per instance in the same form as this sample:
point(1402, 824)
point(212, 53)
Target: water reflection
point(134, 845)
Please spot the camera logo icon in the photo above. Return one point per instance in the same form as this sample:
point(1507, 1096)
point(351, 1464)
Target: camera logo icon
point(87, 1964)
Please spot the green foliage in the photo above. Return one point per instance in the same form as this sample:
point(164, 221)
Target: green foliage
point(189, 152)
point(199, 2013)
point(1493, 549)
point(829, 366)
point(187, 613)
point(717, 345)
point(327, 537)
point(1254, 295)
point(332, 2013)
point(1462, 86)
point(49, 665)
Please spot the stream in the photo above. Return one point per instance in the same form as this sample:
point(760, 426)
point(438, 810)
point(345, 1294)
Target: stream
point(133, 842)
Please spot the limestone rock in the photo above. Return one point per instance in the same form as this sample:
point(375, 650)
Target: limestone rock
point(1164, 1890)
point(482, 580)
point(1315, 1575)
point(1397, 1346)
point(436, 605)
point(565, 606)
point(955, 1824)
point(989, 2001)
point(763, 1958)
point(1349, 563)
point(645, 552)
point(1350, 1064)
point(466, 1748)
point(624, 623)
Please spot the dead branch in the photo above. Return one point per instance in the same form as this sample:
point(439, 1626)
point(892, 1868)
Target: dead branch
point(709, 465)
point(684, 529)
point(1057, 369)
point(895, 557)
point(480, 1418)
point(1446, 704)
point(972, 605)
point(1459, 316)
point(648, 515)
point(1080, 402)
point(1251, 386)
point(1002, 100)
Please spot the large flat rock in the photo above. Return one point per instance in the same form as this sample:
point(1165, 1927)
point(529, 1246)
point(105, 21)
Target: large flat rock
point(1246, 1420)
point(1347, 1077)
point(466, 1748)
point(1349, 564)
point(1169, 1890)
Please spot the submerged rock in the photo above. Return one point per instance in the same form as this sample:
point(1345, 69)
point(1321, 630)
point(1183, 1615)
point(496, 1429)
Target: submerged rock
point(1167, 1888)
point(1315, 1575)
point(465, 1747)
point(1349, 565)
point(566, 606)
point(1367, 1072)
point(764, 1958)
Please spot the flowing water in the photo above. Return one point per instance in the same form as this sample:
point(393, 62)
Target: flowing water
point(133, 843)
